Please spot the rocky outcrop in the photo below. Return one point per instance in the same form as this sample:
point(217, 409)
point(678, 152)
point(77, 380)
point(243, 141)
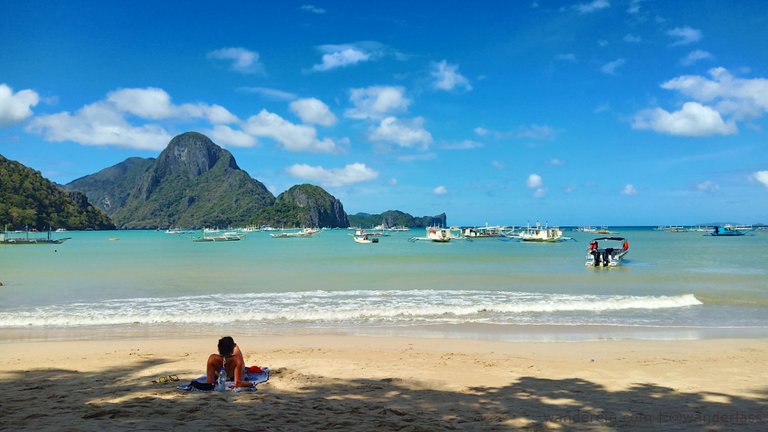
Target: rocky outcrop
point(304, 206)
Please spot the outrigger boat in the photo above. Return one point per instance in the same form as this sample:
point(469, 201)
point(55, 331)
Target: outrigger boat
point(540, 233)
point(436, 234)
point(27, 240)
point(606, 251)
point(726, 231)
point(227, 236)
point(306, 232)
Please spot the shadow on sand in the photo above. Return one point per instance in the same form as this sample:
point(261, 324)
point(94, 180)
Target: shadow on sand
point(55, 399)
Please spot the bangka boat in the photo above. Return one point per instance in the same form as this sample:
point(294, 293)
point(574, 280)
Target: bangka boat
point(435, 234)
point(726, 231)
point(606, 251)
point(27, 240)
point(223, 237)
point(541, 233)
point(306, 232)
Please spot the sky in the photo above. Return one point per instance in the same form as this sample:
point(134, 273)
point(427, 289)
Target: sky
point(594, 112)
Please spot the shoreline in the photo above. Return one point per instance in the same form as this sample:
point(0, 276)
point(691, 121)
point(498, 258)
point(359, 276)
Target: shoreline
point(391, 383)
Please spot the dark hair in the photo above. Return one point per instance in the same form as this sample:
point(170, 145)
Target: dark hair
point(226, 346)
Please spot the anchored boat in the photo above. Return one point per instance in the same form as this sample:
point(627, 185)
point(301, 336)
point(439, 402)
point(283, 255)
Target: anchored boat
point(606, 251)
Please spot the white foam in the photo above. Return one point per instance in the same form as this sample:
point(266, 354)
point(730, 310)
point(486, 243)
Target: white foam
point(340, 308)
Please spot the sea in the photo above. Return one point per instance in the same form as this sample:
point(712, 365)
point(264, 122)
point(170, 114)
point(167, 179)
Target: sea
point(115, 284)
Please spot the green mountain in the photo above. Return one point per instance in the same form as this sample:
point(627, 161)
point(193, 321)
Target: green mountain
point(192, 183)
point(110, 188)
point(391, 218)
point(304, 206)
point(27, 200)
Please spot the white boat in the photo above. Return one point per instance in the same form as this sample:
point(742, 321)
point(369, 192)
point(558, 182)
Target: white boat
point(586, 228)
point(540, 233)
point(399, 228)
point(606, 251)
point(306, 232)
point(365, 239)
point(484, 231)
point(436, 234)
point(223, 237)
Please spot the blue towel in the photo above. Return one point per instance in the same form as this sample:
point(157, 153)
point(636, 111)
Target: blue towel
point(254, 378)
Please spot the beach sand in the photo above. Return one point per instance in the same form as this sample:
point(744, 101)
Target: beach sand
point(390, 384)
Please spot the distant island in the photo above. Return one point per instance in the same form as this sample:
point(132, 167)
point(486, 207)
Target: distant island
point(193, 183)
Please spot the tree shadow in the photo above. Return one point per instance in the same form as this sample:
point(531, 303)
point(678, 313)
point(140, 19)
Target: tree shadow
point(59, 399)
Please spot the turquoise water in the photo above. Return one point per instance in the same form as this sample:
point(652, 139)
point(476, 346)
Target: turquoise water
point(150, 279)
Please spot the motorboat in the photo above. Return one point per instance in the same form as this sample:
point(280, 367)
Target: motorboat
point(606, 251)
point(365, 239)
point(541, 233)
point(726, 231)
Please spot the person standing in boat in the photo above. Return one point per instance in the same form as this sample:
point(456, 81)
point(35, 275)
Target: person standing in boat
point(593, 250)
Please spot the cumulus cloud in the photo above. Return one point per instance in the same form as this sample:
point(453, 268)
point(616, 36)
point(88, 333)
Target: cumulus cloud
point(350, 174)
point(693, 119)
point(610, 67)
point(481, 131)
point(684, 35)
point(344, 55)
point(742, 98)
point(629, 190)
point(16, 107)
point(99, 124)
point(155, 104)
point(695, 56)
point(313, 111)
point(634, 6)
point(534, 181)
point(440, 190)
point(241, 60)
point(537, 132)
point(228, 137)
point(632, 38)
point(593, 6)
point(403, 133)
point(447, 77)
point(463, 145)
point(291, 136)
point(762, 177)
point(376, 102)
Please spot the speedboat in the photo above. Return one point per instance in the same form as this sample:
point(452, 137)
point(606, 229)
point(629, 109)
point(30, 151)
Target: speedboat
point(365, 239)
point(606, 251)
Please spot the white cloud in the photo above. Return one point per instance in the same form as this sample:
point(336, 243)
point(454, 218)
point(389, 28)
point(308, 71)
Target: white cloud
point(707, 186)
point(498, 164)
point(610, 67)
point(463, 145)
point(762, 177)
point(630, 38)
point(742, 98)
point(226, 136)
point(634, 6)
point(313, 9)
point(269, 93)
point(694, 119)
point(402, 133)
point(99, 124)
point(291, 136)
point(155, 104)
point(534, 181)
point(350, 174)
point(447, 77)
point(440, 190)
point(313, 111)
point(695, 56)
point(570, 57)
point(537, 132)
point(16, 107)
point(540, 192)
point(481, 131)
point(343, 55)
point(557, 162)
point(684, 35)
point(392, 182)
point(593, 6)
point(242, 60)
point(629, 190)
point(376, 102)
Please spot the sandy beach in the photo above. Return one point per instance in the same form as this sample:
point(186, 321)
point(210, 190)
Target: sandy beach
point(393, 384)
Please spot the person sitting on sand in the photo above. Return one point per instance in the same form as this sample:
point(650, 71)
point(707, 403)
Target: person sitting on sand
point(230, 353)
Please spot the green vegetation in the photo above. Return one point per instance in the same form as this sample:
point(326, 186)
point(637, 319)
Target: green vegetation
point(391, 218)
point(303, 206)
point(27, 200)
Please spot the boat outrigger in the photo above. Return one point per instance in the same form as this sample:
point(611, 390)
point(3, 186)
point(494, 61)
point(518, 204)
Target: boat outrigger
point(436, 234)
point(727, 231)
point(9, 238)
point(606, 251)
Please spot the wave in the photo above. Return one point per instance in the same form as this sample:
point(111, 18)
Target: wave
point(342, 308)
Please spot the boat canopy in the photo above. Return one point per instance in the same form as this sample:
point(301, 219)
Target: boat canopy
point(609, 238)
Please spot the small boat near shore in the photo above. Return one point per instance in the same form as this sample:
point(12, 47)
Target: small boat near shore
point(606, 251)
point(306, 232)
point(435, 234)
point(223, 237)
point(541, 234)
point(12, 238)
point(365, 239)
point(726, 231)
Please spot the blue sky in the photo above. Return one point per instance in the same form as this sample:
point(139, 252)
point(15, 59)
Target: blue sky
point(601, 112)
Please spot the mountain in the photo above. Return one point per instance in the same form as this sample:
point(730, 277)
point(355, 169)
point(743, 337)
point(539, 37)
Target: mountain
point(27, 200)
point(192, 183)
point(110, 188)
point(304, 206)
point(391, 218)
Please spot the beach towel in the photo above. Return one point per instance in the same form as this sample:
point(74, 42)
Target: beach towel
point(253, 374)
